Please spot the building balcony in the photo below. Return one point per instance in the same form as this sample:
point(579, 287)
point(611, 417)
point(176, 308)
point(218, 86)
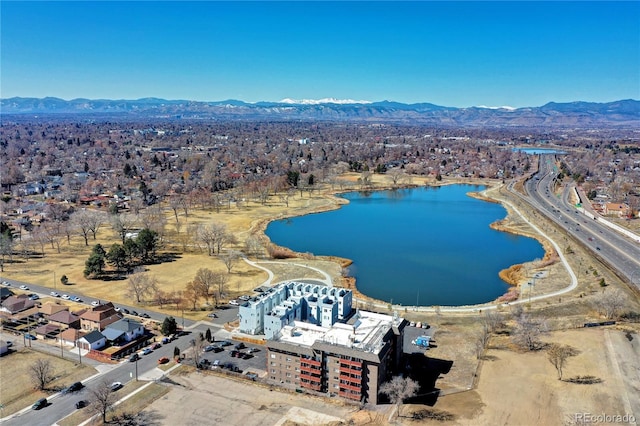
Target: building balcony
point(310, 362)
point(350, 371)
point(345, 386)
point(311, 378)
point(351, 363)
point(349, 395)
point(311, 370)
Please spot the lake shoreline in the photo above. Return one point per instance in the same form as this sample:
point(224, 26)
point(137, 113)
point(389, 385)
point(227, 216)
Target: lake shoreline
point(513, 275)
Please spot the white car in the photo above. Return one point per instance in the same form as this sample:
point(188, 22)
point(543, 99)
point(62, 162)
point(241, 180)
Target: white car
point(54, 294)
point(24, 287)
point(234, 302)
point(115, 386)
point(76, 299)
point(65, 296)
point(7, 283)
point(95, 303)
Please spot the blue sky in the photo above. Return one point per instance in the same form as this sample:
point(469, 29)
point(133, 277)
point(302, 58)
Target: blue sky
point(448, 53)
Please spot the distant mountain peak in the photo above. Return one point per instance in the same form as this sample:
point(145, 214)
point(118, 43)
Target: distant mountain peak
point(322, 101)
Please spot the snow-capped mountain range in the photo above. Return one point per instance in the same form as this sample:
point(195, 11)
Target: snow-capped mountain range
point(623, 113)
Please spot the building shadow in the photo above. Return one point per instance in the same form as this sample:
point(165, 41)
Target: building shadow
point(426, 371)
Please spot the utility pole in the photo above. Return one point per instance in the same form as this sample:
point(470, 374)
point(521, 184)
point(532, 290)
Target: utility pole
point(136, 369)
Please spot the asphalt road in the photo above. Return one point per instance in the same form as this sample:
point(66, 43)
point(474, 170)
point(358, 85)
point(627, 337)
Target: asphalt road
point(618, 251)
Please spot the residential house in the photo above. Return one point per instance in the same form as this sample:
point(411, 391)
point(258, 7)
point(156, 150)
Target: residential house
point(616, 209)
point(47, 330)
point(99, 317)
point(15, 304)
point(94, 341)
point(49, 309)
point(64, 320)
point(71, 336)
point(124, 331)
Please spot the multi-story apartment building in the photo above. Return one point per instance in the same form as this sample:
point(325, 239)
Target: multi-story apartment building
point(279, 306)
point(348, 359)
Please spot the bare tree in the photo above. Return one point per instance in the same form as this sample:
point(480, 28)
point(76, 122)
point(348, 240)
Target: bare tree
point(492, 320)
point(88, 222)
point(123, 224)
point(398, 389)
point(191, 294)
point(610, 303)
point(558, 355)
point(527, 331)
point(230, 258)
point(6, 248)
point(141, 285)
point(253, 246)
point(102, 399)
point(41, 372)
point(482, 340)
point(204, 281)
point(221, 283)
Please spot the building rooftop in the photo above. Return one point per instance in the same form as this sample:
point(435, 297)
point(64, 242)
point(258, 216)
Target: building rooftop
point(364, 332)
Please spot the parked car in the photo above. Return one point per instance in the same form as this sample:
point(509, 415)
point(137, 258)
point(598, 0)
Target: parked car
point(212, 315)
point(145, 315)
point(244, 298)
point(126, 311)
point(41, 403)
point(95, 303)
point(115, 386)
point(234, 302)
point(30, 337)
point(146, 351)
point(34, 297)
point(65, 296)
point(74, 387)
point(76, 299)
point(208, 348)
point(156, 346)
point(81, 404)
point(134, 357)
point(216, 363)
point(134, 313)
point(252, 350)
point(225, 343)
point(54, 294)
point(240, 346)
point(163, 360)
point(7, 283)
point(252, 376)
point(24, 287)
point(165, 340)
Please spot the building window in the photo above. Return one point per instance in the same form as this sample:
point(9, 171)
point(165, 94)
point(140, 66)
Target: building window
point(273, 355)
point(288, 359)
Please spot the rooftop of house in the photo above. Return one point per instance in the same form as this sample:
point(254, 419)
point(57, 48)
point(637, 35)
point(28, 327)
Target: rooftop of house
point(126, 325)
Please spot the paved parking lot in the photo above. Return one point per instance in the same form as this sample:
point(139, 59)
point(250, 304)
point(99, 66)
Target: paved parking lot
point(254, 362)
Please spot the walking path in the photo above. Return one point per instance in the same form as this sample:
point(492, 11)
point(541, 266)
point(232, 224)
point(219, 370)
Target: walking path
point(455, 309)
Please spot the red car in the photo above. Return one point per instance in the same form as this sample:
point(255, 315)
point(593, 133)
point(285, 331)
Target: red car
point(163, 360)
point(156, 346)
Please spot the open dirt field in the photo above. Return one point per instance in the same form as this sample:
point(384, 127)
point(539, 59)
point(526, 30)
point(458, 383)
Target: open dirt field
point(522, 388)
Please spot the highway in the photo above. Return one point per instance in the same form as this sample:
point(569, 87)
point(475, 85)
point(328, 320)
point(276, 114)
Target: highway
point(618, 251)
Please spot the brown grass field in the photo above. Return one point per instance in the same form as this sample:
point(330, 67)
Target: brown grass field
point(17, 391)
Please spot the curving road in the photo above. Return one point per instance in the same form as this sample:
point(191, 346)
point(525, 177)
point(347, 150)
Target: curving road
point(617, 250)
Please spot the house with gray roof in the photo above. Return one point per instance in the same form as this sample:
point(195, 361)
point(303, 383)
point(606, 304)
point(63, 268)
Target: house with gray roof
point(94, 340)
point(125, 330)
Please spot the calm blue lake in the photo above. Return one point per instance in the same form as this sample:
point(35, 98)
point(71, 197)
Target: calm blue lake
point(423, 246)
point(533, 151)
